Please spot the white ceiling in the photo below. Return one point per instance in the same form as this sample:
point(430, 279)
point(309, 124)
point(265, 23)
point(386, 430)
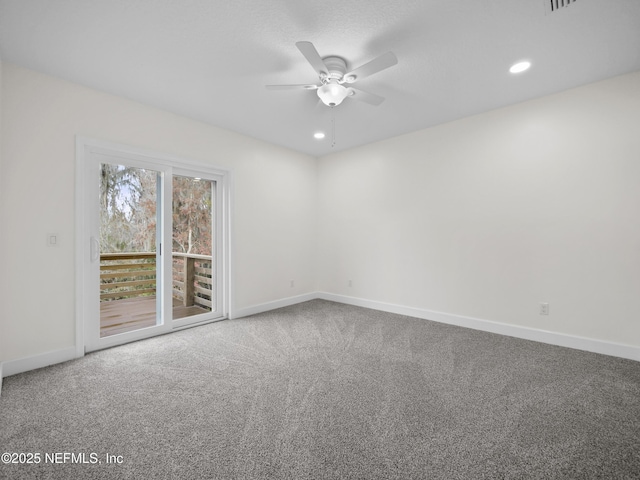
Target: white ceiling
point(210, 59)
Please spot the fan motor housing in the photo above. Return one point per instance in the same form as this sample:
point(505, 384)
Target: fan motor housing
point(337, 67)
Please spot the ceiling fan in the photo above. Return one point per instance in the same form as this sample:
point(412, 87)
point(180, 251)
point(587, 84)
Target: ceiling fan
point(333, 75)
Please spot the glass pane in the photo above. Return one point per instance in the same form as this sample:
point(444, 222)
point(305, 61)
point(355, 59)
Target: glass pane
point(193, 279)
point(128, 224)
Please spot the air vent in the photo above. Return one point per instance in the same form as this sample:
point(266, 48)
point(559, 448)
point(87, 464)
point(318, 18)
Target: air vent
point(554, 5)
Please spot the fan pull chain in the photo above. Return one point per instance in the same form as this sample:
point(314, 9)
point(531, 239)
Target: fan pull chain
point(333, 128)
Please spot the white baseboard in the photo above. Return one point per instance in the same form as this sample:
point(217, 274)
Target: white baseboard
point(20, 365)
point(526, 333)
point(265, 307)
point(13, 367)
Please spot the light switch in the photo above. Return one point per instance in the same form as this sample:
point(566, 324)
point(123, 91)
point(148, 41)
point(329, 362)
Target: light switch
point(52, 239)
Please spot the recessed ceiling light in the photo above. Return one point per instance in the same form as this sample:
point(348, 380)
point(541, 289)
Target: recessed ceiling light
point(520, 67)
point(318, 135)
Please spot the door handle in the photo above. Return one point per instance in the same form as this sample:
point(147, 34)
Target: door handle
point(95, 249)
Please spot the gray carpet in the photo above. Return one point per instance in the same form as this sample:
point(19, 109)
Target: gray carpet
point(324, 390)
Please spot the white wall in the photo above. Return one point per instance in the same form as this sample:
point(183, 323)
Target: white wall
point(482, 217)
point(488, 216)
point(3, 276)
point(274, 211)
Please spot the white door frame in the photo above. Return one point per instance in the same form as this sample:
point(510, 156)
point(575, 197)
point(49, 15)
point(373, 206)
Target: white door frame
point(87, 301)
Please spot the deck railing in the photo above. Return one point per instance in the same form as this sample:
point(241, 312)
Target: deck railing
point(133, 274)
point(193, 279)
point(125, 275)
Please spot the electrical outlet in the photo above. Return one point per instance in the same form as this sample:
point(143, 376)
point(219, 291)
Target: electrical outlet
point(544, 309)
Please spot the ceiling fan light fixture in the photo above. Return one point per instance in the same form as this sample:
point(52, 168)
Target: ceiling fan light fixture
point(332, 93)
point(332, 73)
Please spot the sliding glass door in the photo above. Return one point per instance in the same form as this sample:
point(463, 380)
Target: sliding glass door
point(193, 254)
point(155, 247)
point(130, 229)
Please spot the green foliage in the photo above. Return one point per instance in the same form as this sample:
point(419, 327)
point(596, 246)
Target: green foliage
point(192, 215)
point(128, 211)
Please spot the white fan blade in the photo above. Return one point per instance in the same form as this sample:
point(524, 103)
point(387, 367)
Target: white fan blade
point(365, 97)
point(313, 57)
point(292, 87)
point(374, 66)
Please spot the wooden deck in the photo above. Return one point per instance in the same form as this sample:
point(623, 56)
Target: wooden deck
point(119, 316)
